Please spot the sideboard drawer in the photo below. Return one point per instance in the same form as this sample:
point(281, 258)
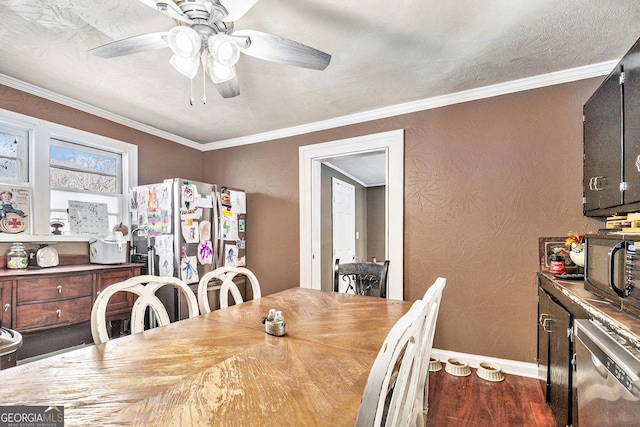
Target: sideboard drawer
point(40, 289)
point(52, 314)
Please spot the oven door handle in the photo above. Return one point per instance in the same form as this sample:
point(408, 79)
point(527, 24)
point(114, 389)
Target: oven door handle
point(622, 293)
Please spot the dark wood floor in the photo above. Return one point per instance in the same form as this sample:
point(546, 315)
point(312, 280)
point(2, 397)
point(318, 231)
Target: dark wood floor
point(472, 401)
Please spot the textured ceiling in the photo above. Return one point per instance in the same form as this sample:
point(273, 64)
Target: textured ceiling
point(369, 169)
point(383, 54)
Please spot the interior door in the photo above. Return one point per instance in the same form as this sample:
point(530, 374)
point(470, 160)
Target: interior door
point(343, 207)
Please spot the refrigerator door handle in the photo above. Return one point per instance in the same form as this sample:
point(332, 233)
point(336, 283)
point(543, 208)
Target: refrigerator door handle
point(217, 212)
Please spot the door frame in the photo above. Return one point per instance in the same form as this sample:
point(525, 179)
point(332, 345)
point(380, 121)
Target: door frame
point(310, 161)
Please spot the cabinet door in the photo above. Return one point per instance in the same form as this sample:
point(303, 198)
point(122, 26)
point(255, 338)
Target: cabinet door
point(603, 145)
point(631, 87)
point(560, 369)
point(5, 303)
point(121, 303)
point(544, 319)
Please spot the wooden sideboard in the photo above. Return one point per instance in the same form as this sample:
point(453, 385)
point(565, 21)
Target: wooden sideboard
point(45, 302)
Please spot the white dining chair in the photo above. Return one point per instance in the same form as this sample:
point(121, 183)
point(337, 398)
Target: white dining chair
point(432, 299)
point(390, 395)
point(226, 276)
point(145, 288)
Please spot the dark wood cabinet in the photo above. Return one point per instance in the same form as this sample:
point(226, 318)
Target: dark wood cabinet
point(42, 299)
point(555, 352)
point(544, 306)
point(121, 303)
point(631, 155)
point(611, 180)
point(556, 314)
point(5, 302)
point(603, 145)
point(51, 307)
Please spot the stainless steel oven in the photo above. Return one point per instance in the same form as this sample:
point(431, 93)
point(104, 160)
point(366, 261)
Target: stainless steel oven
point(607, 376)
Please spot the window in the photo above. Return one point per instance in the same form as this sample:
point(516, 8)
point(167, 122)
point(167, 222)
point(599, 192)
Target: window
point(14, 159)
point(84, 174)
point(58, 164)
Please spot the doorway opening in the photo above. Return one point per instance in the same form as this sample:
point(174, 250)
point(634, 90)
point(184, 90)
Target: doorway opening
point(311, 158)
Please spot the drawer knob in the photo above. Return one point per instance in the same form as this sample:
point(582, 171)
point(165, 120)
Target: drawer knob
point(6, 307)
point(59, 313)
point(59, 289)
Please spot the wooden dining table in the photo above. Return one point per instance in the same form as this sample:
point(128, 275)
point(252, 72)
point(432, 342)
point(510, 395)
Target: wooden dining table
point(221, 368)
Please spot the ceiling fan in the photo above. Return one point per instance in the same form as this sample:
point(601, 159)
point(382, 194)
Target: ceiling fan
point(205, 35)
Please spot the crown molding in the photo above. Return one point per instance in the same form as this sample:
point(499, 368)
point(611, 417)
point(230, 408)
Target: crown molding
point(550, 79)
point(87, 108)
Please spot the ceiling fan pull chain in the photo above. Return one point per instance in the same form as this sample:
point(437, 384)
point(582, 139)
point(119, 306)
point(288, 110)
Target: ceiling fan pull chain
point(204, 86)
point(191, 94)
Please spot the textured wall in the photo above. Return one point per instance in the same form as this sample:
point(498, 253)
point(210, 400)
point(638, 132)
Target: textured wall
point(157, 158)
point(483, 180)
point(375, 223)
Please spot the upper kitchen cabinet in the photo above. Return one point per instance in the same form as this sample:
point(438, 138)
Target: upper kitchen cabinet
point(612, 141)
point(631, 166)
point(603, 145)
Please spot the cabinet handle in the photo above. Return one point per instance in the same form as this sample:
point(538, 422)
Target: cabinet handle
point(59, 313)
point(59, 289)
point(542, 318)
point(6, 307)
point(593, 183)
point(544, 321)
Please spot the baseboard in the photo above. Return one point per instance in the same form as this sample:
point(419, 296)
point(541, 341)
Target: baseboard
point(512, 367)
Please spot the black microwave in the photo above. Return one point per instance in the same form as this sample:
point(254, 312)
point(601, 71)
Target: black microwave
point(612, 269)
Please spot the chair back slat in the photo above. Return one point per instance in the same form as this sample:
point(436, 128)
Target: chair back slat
point(226, 275)
point(432, 299)
point(390, 392)
point(397, 386)
point(145, 288)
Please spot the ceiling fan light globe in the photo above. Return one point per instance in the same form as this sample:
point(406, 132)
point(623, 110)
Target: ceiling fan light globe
point(188, 67)
point(184, 41)
point(218, 72)
point(223, 49)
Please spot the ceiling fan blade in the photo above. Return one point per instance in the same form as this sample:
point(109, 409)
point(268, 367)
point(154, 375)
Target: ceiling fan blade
point(229, 89)
point(169, 8)
point(135, 44)
point(237, 8)
point(278, 49)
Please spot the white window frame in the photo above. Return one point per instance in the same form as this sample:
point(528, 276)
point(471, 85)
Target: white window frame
point(40, 134)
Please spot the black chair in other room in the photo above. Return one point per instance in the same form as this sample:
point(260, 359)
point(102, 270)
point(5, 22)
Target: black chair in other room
point(361, 278)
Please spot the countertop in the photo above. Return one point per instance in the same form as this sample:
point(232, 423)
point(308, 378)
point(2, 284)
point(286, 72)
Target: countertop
point(76, 268)
point(583, 304)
